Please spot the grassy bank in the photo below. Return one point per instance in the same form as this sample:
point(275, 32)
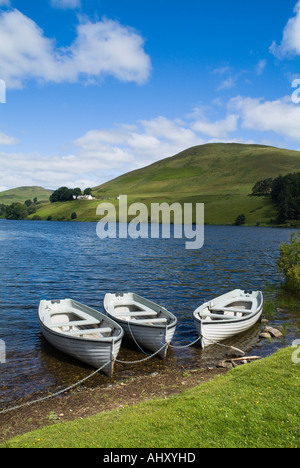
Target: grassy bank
point(219, 209)
point(257, 405)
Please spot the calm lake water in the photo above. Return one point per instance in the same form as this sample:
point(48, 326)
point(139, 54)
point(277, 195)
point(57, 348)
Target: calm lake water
point(57, 260)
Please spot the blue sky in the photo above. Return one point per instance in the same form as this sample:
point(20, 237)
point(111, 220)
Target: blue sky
point(95, 88)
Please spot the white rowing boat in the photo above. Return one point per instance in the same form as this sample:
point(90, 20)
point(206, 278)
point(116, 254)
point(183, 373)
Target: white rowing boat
point(149, 325)
point(81, 332)
point(228, 315)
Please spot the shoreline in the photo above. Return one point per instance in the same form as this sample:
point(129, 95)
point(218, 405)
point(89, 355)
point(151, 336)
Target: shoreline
point(85, 402)
point(277, 226)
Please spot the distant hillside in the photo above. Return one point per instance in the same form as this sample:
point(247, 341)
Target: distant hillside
point(21, 194)
point(219, 175)
point(208, 169)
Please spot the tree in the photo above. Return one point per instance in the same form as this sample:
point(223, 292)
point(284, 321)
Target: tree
point(16, 211)
point(88, 191)
point(240, 220)
point(31, 209)
point(286, 195)
point(263, 187)
point(289, 263)
point(77, 192)
point(61, 194)
point(2, 209)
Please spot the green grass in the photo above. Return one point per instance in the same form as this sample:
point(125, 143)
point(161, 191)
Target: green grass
point(257, 405)
point(208, 169)
point(219, 209)
point(21, 194)
point(62, 211)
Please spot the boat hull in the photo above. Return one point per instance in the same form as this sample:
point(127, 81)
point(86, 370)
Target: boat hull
point(155, 337)
point(212, 332)
point(149, 338)
point(95, 354)
point(98, 352)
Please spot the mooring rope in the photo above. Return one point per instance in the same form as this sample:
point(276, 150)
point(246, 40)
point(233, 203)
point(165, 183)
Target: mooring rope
point(29, 403)
point(225, 346)
point(136, 341)
point(144, 359)
point(185, 346)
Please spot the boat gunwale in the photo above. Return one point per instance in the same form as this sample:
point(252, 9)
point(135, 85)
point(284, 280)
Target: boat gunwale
point(233, 319)
point(170, 315)
point(107, 321)
point(105, 339)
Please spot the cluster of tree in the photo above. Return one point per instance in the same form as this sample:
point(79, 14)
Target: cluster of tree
point(285, 192)
point(19, 210)
point(263, 187)
point(66, 194)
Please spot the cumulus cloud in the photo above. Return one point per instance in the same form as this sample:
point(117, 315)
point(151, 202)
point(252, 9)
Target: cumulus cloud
point(137, 145)
point(65, 4)
point(6, 140)
point(290, 44)
point(101, 154)
point(279, 116)
point(101, 48)
point(51, 171)
point(218, 129)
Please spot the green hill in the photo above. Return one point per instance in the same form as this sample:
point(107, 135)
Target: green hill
point(219, 175)
point(21, 194)
point(208, 169)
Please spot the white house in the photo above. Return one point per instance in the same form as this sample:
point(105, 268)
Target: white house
point(84, 197)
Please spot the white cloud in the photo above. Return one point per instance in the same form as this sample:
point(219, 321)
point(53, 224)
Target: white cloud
point(6, 140)
point(280, 116)
point(261, 67)
point(218, 129)
point(228, 83)
point(290, 44)
point(101, 154)
point(65, 4)
point(129, 147)
point(5, 3)
point(101, 48)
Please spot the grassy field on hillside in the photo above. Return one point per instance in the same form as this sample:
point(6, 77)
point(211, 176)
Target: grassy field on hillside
point(219, 209)
point(255, 405)
point(21, 194)
point(213, 169)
